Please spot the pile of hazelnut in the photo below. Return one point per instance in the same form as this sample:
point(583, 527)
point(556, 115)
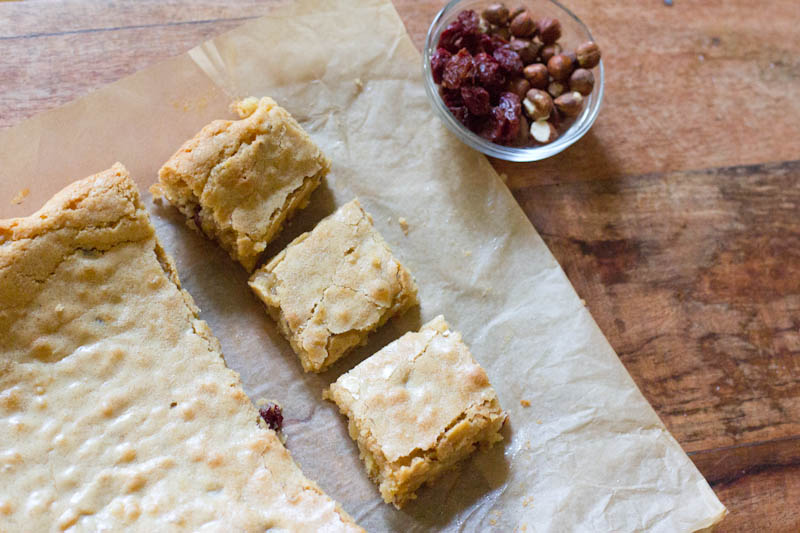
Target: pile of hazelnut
point(505, 77)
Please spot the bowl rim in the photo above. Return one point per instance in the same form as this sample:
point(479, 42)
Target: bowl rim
point(509, 153)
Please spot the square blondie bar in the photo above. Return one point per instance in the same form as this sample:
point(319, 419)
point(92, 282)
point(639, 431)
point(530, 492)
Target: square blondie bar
point(238, 181)
point(416, 408)
point(117, 411)
point(329, 288)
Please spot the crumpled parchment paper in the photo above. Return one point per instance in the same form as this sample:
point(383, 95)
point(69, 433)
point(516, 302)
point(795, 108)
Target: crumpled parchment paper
point(588, 454)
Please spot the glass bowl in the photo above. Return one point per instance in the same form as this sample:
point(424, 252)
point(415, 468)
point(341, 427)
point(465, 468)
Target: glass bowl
point(574, 32)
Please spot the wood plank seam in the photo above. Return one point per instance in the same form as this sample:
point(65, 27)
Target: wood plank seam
point(736, 170)
point(748, 472)
point(727, 464)
point(132, 27)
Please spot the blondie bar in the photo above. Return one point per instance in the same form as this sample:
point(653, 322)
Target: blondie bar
point(117, 412)
point(332, 286)
point(238, 181)
point(416, 408)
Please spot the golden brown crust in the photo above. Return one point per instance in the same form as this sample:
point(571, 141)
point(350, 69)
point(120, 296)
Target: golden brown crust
point(88, 217)
point(238, 181)
point(116, 408)
point(331, 287)
point(416, 408)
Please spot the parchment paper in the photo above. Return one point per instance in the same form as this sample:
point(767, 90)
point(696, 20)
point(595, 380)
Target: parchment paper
point(588, 454)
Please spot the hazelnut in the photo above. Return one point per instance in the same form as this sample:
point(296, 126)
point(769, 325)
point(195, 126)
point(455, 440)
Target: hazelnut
point(523, 133)
point(582, 80)
point(549, 30)
point(538, 104)
point(501, 31)
point(569, 104)
point(556, 89)
point(573, 58)
point(528, 107)
point(543, 132)
point(560, 67)
point(537, 75)
point(496, 14)
point(522, 25)
point(519, 86)
point(549, 51)
point(555, 118)
point(588, 54)
point(528, 50)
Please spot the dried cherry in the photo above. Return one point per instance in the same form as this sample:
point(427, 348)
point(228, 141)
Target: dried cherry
point(486, 45)
point(464, 32)
point(438, 61)
point(488, 72)
point(272, 415)
point(461, 113)
point(470, 21)
point(471, 33)
point(476, 99)
point(451, 34)
point(459, 70)
point(509, 61)
point(451, 97)
point(504, 120)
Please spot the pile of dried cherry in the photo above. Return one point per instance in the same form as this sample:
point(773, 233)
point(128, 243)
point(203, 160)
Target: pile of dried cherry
point(505, 77)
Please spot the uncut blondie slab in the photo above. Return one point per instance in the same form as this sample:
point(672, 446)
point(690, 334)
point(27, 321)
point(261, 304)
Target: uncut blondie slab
point(416, 408)
point(330, 287)
point(238, 181)
point(117, 412)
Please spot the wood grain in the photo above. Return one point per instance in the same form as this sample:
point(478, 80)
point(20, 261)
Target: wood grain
point(695, 279)
point(675, 217)
point(763, 500)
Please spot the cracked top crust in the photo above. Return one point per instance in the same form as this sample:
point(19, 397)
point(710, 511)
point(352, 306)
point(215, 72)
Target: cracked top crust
point(329, 288)
point(409, 392)
point(239, 180)
point(117, 411)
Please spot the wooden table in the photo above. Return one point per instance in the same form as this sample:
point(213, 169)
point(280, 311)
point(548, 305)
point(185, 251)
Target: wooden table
point(677, 217)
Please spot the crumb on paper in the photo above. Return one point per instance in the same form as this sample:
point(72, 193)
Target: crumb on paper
point(20, 196)
point(527, 501)
point(583, 302)
point(193, 103)
point(403, 225)
point(539, 422)
point(467, 253)
point(493, 522)
point(525, 403)
point(202, 103)
point(527, 445)
point(359, 84)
